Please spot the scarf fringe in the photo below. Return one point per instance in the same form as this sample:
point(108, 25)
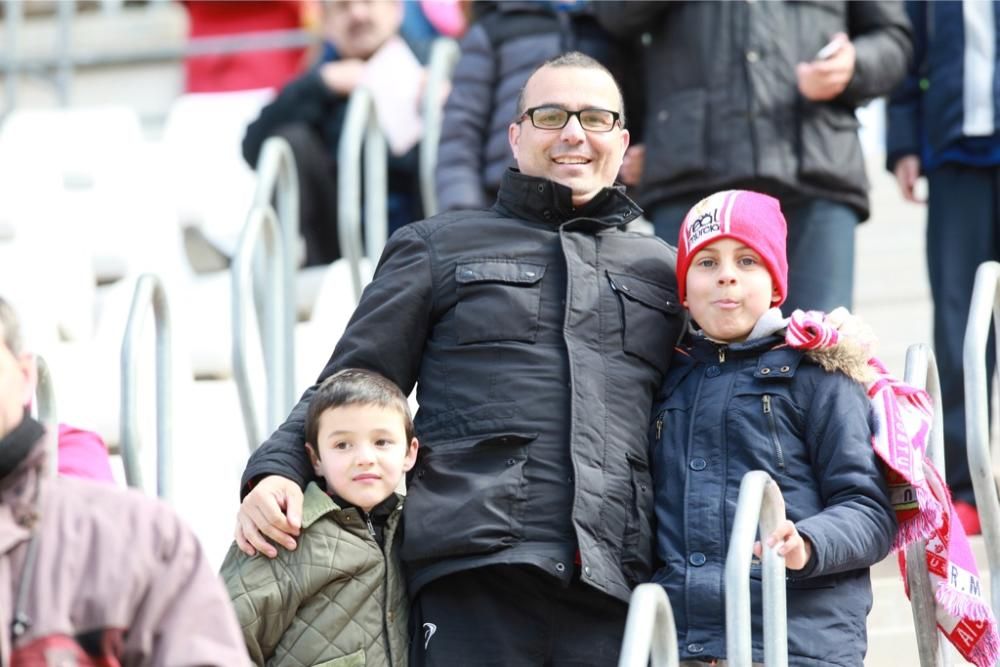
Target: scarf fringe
point(957, 603)
point(986, 651)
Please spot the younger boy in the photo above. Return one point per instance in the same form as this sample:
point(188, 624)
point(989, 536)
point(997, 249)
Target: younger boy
point(339, 598)
point(737, 399)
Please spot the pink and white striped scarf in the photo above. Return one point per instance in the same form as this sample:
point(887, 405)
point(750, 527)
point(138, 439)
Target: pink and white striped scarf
point(920, 498)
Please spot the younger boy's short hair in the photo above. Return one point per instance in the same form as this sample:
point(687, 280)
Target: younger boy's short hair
point(356, 386)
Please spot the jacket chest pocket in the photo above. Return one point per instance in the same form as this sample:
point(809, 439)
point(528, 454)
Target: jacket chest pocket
point(498, 300)
point(650, 316)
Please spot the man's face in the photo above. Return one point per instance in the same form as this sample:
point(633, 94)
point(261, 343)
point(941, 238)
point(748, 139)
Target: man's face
point(585, 161)
point(357, 28)
point(17, 375)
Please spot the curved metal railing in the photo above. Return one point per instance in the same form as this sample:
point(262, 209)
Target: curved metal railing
point(759, 505)
point(361, 128)
point(149, 291)
point(650, 634)
point(985, 302)
point(921, 371)
point(444, 56)
point(278, 185)
point(45, 406)
point(262, 222)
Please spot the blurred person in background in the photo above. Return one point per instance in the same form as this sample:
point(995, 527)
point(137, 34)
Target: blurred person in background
point(309, 113)
point(91, 574)
point(942, 122)
point(761, 96)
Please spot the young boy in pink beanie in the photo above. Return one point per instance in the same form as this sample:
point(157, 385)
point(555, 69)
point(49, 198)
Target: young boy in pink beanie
point(736, 399)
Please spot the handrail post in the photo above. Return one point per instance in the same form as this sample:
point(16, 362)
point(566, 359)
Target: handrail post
point(262, 221)
point(148, 291)
point(650, 633)
point(440, 65)
point(361, 127)
point(984, 303)
point(45, 404)
point(278, 181)
point(759, 504)
point(921, 372)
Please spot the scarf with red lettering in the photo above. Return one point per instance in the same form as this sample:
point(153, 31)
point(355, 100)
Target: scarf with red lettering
point(920, 498)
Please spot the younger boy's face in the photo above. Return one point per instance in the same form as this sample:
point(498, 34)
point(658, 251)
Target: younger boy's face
point(362, 453)
point(728, 289)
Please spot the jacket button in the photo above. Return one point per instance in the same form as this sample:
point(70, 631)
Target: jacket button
point(785, 369)
point(511, 462)
point(765, 371)
point(697, 559)
point(586, 570)
point(713, 371)
point(541, 187)
point(560, 567)
point(698, 463)
point(752, 56)
point(695, 648)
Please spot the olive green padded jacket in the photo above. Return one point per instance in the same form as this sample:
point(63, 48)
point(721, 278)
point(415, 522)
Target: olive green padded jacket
point(336, 601)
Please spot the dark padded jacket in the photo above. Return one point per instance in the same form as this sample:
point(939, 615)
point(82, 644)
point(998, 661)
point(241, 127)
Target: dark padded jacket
point(723, 106)
point(499, 53)
point(726, 410)
point(536, 334)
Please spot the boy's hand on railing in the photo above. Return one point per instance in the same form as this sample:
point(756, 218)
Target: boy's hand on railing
point(796, 549)
point(273, 507)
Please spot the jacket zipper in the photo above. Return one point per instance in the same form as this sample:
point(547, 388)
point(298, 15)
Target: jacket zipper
point(659, 426)
point(385, 587)
point(722, 355)
point(772, 427)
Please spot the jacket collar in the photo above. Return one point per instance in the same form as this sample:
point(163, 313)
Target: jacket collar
point(317, 504)
point(541, 200)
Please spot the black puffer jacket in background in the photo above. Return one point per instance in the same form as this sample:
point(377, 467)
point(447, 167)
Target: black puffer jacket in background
point(536, 334)
point(723, 108)
point(499, 52)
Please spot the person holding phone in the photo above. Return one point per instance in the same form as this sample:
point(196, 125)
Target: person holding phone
point(761, 96)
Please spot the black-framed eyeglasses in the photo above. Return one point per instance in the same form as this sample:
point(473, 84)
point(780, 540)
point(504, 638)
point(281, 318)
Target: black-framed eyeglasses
point(555, 118)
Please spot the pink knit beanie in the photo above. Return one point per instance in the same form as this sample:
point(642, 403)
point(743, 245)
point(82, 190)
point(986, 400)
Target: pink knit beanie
point(750, 217)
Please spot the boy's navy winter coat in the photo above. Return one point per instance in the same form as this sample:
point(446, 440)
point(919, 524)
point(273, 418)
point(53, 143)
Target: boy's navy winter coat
point(725, 410)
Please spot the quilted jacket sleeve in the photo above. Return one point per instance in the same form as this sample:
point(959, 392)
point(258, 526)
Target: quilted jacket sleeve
point(857, 526)
point(266, 594)
point(466, 124)
point(386, 334)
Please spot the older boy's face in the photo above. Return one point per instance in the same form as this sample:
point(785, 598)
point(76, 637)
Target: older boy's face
point(362, 453)
point(728, 289)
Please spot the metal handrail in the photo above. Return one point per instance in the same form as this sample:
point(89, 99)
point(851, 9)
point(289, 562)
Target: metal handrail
point(650, 633)
point(985, 302)
point(278, 181)
point(148, 291)
point(45, 406)
point(922, 372)
point(760, 504)
point(440, 65)
point(361, 127)
point(262, 221)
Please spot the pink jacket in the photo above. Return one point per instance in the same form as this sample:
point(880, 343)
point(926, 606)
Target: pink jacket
point(117, 579)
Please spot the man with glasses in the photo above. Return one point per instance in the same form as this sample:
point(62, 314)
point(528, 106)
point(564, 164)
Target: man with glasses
point(536, 333)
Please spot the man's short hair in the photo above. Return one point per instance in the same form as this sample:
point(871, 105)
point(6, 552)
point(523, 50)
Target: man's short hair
point(10, 329)
point(355, 386)
point(579, 60)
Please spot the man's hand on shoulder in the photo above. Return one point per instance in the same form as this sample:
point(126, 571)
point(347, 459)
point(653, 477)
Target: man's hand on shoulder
point(271, 511)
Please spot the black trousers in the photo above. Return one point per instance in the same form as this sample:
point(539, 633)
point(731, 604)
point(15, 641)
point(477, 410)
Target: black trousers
point(514, 616)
